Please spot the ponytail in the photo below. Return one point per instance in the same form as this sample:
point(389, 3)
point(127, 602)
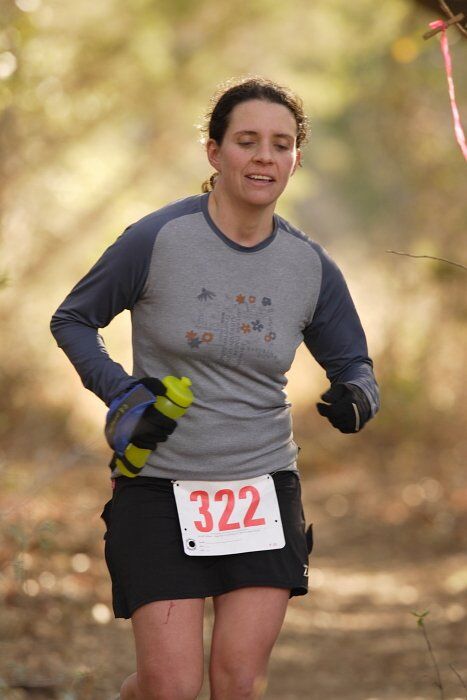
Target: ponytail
point(208, 185)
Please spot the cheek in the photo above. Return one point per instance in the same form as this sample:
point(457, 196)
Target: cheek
point(234, 161)
point(287, 165)
point(239, 161)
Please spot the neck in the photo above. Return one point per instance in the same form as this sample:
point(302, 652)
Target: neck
point(245, 224)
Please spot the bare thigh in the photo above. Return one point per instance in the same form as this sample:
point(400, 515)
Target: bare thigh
point(169, 646)
point(246, 626)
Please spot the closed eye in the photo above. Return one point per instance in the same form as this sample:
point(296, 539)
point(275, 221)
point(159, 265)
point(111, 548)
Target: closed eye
point(279, 146)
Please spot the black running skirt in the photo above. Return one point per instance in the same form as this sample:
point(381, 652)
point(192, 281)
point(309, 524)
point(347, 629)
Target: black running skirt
point(145, 557)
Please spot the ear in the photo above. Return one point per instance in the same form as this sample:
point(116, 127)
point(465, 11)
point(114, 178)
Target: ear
point(297, 161)
point(212, 152)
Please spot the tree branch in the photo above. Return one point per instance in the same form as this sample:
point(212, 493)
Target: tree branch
point(431, 257)
point(454, 20)
point(450, 14)
point(451, 666)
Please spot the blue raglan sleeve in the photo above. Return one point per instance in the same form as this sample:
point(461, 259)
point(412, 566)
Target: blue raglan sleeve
point(113, 284)
point(335, 336)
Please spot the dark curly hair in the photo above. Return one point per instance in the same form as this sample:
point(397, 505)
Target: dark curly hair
point(232, 93)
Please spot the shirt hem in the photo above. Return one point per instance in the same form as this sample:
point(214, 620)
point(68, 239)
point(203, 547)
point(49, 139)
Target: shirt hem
point(196, 476)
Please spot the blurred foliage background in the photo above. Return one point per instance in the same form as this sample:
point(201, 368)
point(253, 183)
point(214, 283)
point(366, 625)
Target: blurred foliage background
point(100, 103)
point(99, 110)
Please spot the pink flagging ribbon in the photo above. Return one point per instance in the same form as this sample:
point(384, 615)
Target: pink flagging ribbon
point(460, 136)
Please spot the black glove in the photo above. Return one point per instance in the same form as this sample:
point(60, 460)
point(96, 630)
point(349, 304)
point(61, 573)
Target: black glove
point(346, 407)
point(153, 427)
point(133, 418)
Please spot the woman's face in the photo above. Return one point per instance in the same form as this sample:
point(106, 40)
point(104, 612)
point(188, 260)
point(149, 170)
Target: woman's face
point(258, 153)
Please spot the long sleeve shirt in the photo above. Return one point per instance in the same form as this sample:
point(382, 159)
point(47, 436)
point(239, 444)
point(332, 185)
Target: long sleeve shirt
point(229, 317)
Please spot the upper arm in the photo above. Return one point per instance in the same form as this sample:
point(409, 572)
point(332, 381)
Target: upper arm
point(113, 284)
point(335, 335)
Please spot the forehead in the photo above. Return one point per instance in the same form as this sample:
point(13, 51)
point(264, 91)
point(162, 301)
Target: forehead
point(262, 117)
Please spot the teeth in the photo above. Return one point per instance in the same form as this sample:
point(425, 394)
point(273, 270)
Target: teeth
point(260, 177)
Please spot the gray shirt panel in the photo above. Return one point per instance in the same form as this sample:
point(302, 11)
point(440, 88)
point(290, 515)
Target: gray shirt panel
point(230, 319)
point(228, 316)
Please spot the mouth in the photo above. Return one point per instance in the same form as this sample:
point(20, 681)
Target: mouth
point(259, 179)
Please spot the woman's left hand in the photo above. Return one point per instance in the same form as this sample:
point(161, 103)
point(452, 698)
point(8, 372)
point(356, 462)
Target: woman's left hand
point(347, 407)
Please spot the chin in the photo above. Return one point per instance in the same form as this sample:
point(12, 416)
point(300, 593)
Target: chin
point(260, 199)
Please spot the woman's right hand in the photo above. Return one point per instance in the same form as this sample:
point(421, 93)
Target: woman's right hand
point(132, 417)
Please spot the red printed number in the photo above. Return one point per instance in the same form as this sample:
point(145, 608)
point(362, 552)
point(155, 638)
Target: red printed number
point(208, 524)
point(203, 510)
point(229, 506)
point(249, 520)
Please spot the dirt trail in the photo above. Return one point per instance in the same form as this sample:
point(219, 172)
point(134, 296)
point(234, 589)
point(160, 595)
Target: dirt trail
point(382, 549)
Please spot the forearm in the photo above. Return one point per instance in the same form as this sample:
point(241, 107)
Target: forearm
point(335, 336)
point(86, 350)
point(113, 284)
point(360, 373)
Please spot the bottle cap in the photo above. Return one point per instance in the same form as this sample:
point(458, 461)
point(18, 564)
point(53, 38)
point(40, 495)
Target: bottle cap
point(178, 390)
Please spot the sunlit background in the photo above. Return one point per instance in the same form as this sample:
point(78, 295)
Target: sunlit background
point(100, 108)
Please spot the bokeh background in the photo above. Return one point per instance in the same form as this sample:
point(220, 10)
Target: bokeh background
point(100, 103)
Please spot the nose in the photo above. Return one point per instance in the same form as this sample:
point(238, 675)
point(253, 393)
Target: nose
point(263, 154)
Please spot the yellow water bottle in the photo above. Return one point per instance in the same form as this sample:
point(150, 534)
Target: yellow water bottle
point(173, 404)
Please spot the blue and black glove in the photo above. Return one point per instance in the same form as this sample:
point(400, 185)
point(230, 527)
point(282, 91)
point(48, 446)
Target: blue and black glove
point(133, 418)
point(346, 407)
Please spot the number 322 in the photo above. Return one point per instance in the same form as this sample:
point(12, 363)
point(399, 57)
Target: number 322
point(224, 524)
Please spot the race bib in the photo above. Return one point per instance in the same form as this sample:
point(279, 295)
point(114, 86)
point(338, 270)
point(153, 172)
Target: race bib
point(229, 517)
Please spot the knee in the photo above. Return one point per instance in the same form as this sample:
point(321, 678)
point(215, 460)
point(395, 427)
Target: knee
point(154, 686)
point(248, 686)
point(237, 683)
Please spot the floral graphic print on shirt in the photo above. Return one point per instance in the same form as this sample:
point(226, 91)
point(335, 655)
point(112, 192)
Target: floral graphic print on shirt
point(235, 324)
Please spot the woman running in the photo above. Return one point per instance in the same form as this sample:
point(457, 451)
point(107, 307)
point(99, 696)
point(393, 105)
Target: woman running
point(223, 291)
